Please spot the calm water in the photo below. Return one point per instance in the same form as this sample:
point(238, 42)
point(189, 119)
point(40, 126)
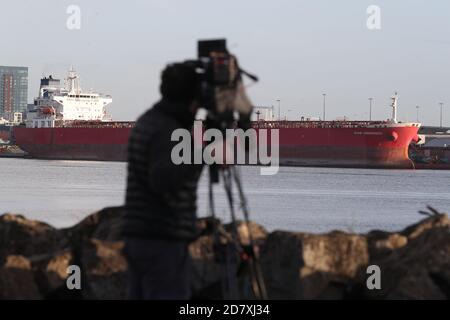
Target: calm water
point(304, 199)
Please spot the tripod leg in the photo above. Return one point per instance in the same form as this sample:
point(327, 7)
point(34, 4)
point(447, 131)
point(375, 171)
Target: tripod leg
point(258, 283)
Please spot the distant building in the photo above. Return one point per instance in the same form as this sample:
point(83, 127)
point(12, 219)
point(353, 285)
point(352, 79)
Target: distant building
point(13, 91)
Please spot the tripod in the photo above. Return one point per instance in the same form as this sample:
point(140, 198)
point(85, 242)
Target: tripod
point(227, 247)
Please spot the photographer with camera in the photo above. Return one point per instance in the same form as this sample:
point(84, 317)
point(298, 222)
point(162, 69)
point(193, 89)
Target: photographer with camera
point(160, 206)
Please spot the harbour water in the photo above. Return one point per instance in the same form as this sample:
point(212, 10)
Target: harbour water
point(302, 199)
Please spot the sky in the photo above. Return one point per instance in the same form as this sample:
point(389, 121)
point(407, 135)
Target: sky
point(299, 50)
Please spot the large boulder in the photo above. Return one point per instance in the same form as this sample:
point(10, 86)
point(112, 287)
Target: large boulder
point(306, 266)
point(104, 269)
point(96, 246)
point(21, 236)
point(17, 279)
point(51, 271)
point(417, 266)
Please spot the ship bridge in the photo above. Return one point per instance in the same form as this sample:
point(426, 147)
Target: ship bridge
point(68, 103)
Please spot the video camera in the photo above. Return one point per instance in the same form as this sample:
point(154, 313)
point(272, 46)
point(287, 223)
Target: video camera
point(220, 88)
point(221, 92)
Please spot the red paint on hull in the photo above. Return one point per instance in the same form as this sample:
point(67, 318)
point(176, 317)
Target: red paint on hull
point(385, 147)
point(357, 146)
point(90, 143)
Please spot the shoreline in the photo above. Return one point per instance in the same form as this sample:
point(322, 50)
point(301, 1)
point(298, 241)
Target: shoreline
point(415, 166)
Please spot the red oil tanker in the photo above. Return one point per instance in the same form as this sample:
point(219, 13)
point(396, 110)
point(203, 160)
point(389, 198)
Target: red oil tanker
point(302, 143)
point(70, 124)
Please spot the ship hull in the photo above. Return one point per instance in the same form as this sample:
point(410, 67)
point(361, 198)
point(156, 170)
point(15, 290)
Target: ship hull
point(347, 147)
point(350, 157)
point(76, 152)
point(385, 147)
point(98, 144)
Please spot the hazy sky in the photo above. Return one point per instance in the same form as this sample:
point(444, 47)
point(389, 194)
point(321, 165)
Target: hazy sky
point(299, 49)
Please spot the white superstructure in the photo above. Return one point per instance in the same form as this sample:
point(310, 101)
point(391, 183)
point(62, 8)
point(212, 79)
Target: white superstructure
point(394, 105)
point(68, 103)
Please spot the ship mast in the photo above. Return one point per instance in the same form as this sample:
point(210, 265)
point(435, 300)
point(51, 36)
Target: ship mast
point(394, 104)
point(73, 82)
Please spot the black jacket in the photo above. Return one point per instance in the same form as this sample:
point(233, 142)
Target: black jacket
point(161, 196)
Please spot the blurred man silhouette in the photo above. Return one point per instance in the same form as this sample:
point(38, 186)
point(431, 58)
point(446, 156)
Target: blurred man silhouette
point(160, 206)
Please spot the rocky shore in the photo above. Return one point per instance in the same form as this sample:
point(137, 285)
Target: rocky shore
point(414, 262)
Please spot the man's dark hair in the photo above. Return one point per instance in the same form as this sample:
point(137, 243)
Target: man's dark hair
point(178, 83)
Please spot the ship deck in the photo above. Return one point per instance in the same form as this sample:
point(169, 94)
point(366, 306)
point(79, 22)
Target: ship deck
point(328, 124)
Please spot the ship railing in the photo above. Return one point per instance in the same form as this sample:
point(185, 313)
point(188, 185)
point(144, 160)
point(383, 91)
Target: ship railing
point(315, 124)
point(96, 124)
point(255, 124)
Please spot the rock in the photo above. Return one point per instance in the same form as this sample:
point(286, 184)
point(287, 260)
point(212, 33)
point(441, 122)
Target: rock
point(281, 260)
point(104, 225)
point(205, 270)
point(17, 279)
point(258, 232)
point(89, 244)
point(433, 222)
point(383, 243)
point(419, 268)
point(17, 262)
point(51, 270)
point(337, 252)
point(304, 266)
point(104, 269)
point(414, 262)
point(20, 236)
